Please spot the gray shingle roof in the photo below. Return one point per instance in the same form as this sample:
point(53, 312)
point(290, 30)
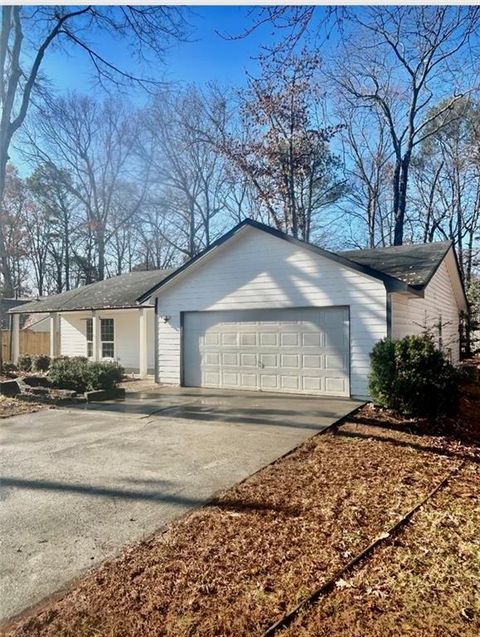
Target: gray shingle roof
point(115, 293)
point(412, 264)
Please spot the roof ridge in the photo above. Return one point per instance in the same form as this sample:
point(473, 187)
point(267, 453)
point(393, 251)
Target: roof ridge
point(404, 245)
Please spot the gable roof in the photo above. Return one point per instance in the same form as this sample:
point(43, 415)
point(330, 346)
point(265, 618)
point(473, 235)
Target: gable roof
point(407, 268)
point(119, 292)
point(392, 283)
point(413, 264)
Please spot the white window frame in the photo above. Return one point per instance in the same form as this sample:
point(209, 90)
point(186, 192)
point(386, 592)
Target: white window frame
point(89, 322)
point(105, 341)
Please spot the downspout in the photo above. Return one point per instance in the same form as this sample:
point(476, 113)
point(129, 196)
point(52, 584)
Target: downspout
point(389, 314)
point(155, 342)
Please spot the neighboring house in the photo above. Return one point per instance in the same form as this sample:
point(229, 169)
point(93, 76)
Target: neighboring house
point(102, 321)
point(36, 323)
point(6, 305)
point(259, 310)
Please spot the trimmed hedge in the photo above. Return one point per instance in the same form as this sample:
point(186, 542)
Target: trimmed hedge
point(413, 377)
point(81, 375)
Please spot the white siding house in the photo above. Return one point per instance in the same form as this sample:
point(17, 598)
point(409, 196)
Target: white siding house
point(103, 321)
point(126, 335)
point(255, 270)
point(437, 312)
point(259, 310)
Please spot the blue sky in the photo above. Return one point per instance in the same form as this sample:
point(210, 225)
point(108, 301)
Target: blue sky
point(207, 57)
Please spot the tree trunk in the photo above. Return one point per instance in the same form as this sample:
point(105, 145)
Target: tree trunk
point(400, 210)
point(398, 223)
point(100, 241)
point(8, 285)
point(67, 255)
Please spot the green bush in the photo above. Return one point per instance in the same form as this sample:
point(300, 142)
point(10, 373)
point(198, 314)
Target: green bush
point(79, 374)
point(105, 375)
point(413, 377)
point(41, 363)
point(24, 363)
point(68, 373)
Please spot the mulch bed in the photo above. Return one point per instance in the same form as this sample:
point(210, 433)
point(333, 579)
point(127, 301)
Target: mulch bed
point(425, 582)
point(14, 407)
point(236, 566)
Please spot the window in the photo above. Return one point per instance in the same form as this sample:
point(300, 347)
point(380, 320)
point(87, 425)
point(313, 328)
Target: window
point(107, 338)
point(89, 337)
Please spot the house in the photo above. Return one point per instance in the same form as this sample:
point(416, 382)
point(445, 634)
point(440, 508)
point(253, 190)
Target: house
point(7, 304)
point(260, 310)
point(101, 321)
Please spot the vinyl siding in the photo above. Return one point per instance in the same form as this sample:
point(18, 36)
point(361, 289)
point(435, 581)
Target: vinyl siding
point(411, 315)
point(256, 270)
point(74, 341)
point(72, 335)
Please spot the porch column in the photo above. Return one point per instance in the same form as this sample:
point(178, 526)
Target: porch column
point(142, 344)
point(15, 337)
point(96, 336)
point(53, 323)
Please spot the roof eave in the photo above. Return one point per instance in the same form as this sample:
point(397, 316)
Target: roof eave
point(107, 308)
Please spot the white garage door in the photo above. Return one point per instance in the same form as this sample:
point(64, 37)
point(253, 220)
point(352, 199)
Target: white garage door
point(295, 350)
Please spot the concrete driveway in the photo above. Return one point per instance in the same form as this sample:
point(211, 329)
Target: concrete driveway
point(79, 484)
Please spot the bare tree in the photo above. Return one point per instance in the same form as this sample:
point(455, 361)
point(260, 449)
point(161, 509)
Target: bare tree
point(284, 149)
point(447, 182)
point(94, 145)
point(367, 160)
point(188, 174)
point(396, 60)
point(14, 231)
point(407, 52)
point(145, 30)
point(54, 225)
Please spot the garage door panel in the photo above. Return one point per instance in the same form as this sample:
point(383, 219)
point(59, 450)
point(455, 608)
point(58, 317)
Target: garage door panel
point(312, 340)
point(300, 350)
point(290, 383)
point(312, 361)
point(312, 384)
point(212, 358)
point(334, 385)
point(290, 361)
point(249, 381)
point(290, 339)
point(269, 382)
point(268, 360)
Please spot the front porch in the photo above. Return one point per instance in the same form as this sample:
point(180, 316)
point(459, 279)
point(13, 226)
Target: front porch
point(123, 335)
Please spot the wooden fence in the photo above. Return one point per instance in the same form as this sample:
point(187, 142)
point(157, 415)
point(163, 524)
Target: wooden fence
point(30, 343)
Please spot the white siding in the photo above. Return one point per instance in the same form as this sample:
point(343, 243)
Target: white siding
point(74, 341)
point(412, 315)
point(257, 270)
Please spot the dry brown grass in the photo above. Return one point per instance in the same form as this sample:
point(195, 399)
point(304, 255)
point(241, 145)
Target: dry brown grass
point(425, 583)
point(13, 407)
point(235, 567)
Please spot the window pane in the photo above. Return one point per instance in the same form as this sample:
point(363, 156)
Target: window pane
point(107, 350)
point(89, 329)
point(107, 329)
point(89, 349)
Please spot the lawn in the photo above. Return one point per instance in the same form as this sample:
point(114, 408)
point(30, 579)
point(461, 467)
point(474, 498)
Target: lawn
point(236, 566)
